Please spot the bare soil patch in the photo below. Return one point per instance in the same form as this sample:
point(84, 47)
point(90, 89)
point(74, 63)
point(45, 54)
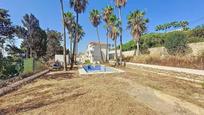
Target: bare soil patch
point(68, 94)
point(138, 91)
point(168, 83)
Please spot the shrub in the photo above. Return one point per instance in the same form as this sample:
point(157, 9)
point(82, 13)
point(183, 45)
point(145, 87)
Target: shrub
point(198, 32)
point(202, 85)
point(153, 40)
point(129, 46)
point(87, 62)
point(146, 41)
point(10, 67)
point(176, 43)
point(195, 39)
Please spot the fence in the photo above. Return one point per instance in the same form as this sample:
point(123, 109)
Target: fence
point(31, 66)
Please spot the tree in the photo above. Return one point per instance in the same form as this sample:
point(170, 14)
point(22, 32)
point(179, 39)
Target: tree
point(30, 25)
point(184, 25)
point(114, 33)
point(34, 38)
point(64, 35)
point(175, 24)
point(163, 27)
point(22, 33)
point(198, 31)
point(79, 6)
point(40, 42)
point(119, 4)
point(70, 25)
point(137, 24)
point(81, 34)
point(53, 43)
point(6, 28)
point(95, 19)
point(14, 51)
point(106, 15)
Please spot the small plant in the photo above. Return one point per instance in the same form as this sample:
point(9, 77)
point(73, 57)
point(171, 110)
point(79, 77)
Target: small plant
point(202, 84)
point(87, 62)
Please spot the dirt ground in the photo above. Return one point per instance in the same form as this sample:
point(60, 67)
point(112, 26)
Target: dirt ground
point(137, 92)
point(168, 83)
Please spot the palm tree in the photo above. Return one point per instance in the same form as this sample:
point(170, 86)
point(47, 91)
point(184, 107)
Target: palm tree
point(114, 32)
point(64, 34)
point(95, 19)
point(119, 4)
point(106, 15)
point(81, 34)
point(70, 25)
point(137, 24)
point(79, 6)
point(184, 25)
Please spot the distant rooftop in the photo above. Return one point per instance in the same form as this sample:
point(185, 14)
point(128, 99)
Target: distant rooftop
point(97, 43)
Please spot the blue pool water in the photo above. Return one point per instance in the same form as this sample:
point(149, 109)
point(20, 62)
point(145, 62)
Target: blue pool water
point(97, 68)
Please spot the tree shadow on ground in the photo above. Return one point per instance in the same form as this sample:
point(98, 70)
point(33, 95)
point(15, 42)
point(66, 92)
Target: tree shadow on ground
point(63, 76)
point(42, 100)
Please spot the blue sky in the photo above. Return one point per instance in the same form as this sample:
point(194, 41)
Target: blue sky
point(158, 12)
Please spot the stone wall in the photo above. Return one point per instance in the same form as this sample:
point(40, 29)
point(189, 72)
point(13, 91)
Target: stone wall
point(197, 50)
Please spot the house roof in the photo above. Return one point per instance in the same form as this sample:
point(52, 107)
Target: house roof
point(97, 43)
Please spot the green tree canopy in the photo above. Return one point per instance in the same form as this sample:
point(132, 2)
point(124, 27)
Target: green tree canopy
point(6, 28)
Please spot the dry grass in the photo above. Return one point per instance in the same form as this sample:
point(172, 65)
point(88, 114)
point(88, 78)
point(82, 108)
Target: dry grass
point(166, 82)
point(69, 94)
point(175, 61)
point(66, 94)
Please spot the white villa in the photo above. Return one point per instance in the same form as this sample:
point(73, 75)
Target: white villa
point(60, 59)
point(92, 52)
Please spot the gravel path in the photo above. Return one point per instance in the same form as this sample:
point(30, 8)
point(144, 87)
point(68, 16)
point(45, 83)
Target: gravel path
point(175, 69)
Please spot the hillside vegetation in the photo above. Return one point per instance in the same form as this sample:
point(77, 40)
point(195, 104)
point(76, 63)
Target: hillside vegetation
point(151, 40)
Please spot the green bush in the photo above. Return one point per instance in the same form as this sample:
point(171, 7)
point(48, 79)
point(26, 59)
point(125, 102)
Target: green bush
point(10, 67)
point(158, 39)
point(202, 85)
point(195, 39)
point(153, 40)
point(198, 31)
point(87, 62)
point(176, 43)
point(147, 41)
point(129, 46)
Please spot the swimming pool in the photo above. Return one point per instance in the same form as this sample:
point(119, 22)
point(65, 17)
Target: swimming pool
point(97, 69)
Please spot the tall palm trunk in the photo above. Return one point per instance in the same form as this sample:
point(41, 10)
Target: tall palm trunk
point(75, 40)
point(76, 53)
point(121, 35)
point(107, 47)
point(116, 52)
point(70, 50)
point(64, 35)
point(99, 44)
point(137, 48)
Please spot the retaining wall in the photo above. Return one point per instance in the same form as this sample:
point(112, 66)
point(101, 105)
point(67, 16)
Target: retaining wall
point(197, 50)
